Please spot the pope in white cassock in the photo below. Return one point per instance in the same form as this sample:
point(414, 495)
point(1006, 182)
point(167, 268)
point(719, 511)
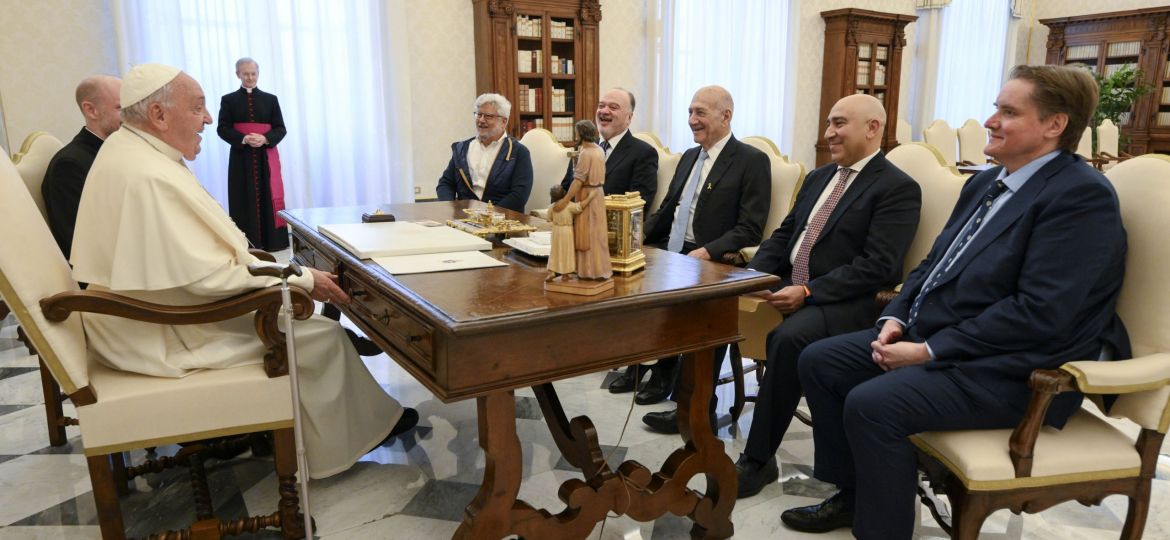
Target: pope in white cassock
point(147, 229)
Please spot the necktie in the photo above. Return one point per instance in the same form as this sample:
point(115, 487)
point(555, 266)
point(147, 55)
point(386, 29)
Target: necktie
point(682, 215)
point(941, 269)
point(812, 233)
point(605, 148)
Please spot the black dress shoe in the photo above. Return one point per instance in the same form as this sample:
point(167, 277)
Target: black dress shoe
point(754, 476)
point(408, 420)
point(832, 513)
point(667, 421)
point(627, 381)
point(656, 390)
point(363, 345)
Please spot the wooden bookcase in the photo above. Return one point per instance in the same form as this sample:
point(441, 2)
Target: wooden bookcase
point(515, 45)
point(863, 55)
point(1107, 41)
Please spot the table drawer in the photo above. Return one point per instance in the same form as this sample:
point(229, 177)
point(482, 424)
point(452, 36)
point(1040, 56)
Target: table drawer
point(402, 330)
point(305, 253)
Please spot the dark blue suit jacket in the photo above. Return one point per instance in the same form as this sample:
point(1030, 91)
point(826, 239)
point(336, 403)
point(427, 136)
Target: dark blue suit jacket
point(1037, 287)
point(508, 185)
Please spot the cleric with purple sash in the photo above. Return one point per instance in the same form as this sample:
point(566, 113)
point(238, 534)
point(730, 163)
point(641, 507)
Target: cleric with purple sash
point(250, 121)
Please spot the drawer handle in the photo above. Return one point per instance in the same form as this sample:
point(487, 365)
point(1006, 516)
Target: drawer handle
point(387, 316)
point(414, 338)
point(358, 293)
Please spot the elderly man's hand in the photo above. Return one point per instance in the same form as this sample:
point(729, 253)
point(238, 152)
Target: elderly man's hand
point(325, 288)
point(700, 253)
point(788, 299)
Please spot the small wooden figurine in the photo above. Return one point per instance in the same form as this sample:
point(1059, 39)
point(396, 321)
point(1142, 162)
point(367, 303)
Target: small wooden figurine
point(562, 257)
point(590, 235)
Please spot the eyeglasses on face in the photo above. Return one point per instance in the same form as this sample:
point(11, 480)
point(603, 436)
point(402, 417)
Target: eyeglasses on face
point(487, 116)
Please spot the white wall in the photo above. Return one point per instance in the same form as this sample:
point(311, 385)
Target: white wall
point(46, 48)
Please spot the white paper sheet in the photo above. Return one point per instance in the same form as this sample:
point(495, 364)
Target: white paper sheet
point(437, 262)
point(386, 239)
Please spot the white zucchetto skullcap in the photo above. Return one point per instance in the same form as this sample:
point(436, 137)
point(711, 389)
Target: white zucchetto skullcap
point(144, 80)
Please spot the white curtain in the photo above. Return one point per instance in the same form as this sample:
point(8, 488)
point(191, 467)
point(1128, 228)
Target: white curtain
point(741, 45)
point(337, 68)
point(971, 55)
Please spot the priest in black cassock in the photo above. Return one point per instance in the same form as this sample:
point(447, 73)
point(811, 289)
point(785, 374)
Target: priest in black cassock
point(250, 121)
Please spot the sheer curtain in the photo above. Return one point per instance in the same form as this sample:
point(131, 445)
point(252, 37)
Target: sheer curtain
point(336, 67)
point(741, 45)
point(971, 56)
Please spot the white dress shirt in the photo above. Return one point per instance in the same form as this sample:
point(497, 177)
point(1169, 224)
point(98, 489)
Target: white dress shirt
point(712, 155)
point(856, 168)
point(480, 159)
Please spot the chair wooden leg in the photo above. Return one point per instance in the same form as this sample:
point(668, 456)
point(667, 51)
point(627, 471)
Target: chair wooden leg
point(54, 414)
point(285, 454)
point(968, 513)
point(737, 375)
point(105, 496)
point(121, 479)
point(1135, 518)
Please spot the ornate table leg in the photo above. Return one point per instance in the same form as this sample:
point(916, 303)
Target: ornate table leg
point(489, 514)
point(651, 495)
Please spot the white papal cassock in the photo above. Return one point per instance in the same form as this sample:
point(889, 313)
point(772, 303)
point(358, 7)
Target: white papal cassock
point(147, 229)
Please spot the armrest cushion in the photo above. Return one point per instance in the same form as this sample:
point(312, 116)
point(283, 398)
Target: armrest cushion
point(1121, 376)
point(748, 252)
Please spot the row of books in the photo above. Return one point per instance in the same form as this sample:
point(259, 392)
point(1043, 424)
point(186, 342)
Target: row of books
point(879, 74)
point(1166, 74)
point(530, 99)
point(1163, 119)
point(1110, 69)
point(1081, 52)
point(528, 26)
point(560, 65)
point(529, 61)
point(1127, 48)
point(560, 30)
point(864, 51)
point(1166, 96)
point(532, 123)
point(560, 103)
point(562, 128)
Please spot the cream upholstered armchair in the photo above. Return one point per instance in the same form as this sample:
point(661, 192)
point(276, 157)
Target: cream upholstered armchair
point(757, 317)
point(1085, 146)
point(550, 160)
point(121, 411)
point(667, 163)
point(1033, 467)
point(940, 183)
point(945, 139)
point(972, 140)
point(33, 160)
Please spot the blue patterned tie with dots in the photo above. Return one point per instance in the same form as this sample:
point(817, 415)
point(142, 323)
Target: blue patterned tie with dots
point(945, 265)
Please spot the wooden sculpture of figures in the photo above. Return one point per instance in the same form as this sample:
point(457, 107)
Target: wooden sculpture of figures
point(562, 257)
point(590, 238)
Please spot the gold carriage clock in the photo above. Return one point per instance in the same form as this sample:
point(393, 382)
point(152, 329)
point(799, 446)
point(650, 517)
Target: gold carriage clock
point(623, 216)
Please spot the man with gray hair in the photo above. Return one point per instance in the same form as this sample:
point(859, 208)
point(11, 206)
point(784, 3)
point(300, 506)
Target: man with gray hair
point(97, 97)
point(491, 166)
point(251, 122)
point(148, 230)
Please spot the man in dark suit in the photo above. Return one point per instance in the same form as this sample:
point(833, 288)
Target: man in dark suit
point(843, 241)
point(97, 97)
point(631, 164)
point(1025, 275)
point(491, 166)
point(716, 204)
point(250, 121)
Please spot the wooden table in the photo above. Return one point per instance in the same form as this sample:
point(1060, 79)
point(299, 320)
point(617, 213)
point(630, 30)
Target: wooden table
point(484, 333)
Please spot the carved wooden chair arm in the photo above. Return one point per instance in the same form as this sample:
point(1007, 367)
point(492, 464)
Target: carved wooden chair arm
point(1045, 383)
point(264, 302)
point(262, 255)
point(883, 297)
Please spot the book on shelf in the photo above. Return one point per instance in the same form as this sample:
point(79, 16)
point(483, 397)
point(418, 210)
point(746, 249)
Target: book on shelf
point(863, 50)
point(1166, 96)
point(562, 128)
point(528, 26)
point(882, 52)
point(1110, 69)
point(879, 75)
point(863, 73)
point(528, 61)
point(1163, 119)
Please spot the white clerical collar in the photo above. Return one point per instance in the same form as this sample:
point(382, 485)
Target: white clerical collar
point(158, 144)
point(248, 90)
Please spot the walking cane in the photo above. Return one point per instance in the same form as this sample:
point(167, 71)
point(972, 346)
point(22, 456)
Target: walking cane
point(286, 315)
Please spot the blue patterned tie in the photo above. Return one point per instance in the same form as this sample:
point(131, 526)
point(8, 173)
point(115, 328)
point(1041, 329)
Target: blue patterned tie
point(940, 271)
point(682, 216)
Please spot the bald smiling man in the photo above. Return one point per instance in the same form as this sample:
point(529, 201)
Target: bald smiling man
point(844, 240)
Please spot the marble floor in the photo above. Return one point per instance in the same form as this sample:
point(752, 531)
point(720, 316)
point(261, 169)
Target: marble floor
point(416, 487)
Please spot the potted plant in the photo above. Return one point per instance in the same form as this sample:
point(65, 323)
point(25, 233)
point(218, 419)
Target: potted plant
point(1117, 94)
